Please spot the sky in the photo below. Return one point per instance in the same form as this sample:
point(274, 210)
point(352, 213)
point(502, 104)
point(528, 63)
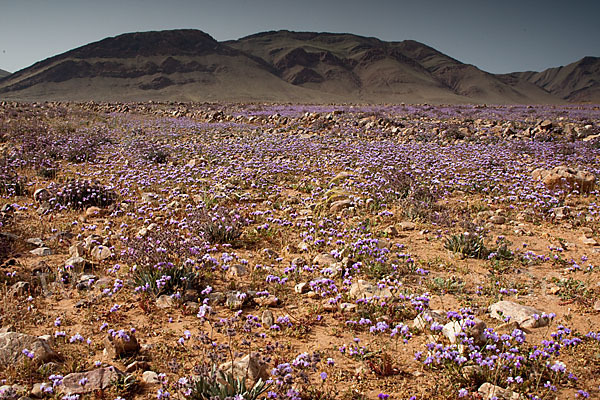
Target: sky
point(497, 36)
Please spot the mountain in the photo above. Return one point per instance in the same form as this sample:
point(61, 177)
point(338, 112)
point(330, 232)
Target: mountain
point(278, 66)
point(3, 73)
point(185, 65)
point(578, 81)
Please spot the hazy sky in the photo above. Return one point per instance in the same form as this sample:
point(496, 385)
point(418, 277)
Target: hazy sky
point(495, 35)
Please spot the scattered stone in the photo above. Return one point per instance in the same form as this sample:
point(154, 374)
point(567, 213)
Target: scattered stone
point(37, 391)
point(588, 241)
point(407, 226)
point(566, 178)
point(250, 367)
point(150, 377)
point(497, 219)
point(12, 345)
point(324, 259)
point(597, 305)
point(19, 289)
point(299, 262)
point(424, 320)
point(94, 212)
point(41, 252)
point(98, 379)
point(38, 242)
point(527, 317)
point(301, 287)
point(267, 319)
point(546, 124)
point(100, 253)
point(238, 270)
point(364, 289)
point(116, 346)
point(42, 195)
point(77, 263)
point(269, 301)
point(8, 392)
point(391, 231)
point(165, 301)
point(236, 300)
point(560, 213)
point(77, 250)
point(453, 329)
point(339, 205)
point(348, 307)
point(489, 392)
point(86, 282)
point(137, 366)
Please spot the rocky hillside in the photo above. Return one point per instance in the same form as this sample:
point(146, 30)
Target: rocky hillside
point(3, 73)
point(189, 65)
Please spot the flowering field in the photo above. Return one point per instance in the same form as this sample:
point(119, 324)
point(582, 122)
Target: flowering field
point(229, 251)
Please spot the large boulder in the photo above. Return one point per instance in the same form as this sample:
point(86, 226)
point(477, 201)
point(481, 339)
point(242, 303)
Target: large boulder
point(12, 345)
point(565, 178)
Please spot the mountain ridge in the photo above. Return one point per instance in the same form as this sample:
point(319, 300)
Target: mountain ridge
point(285, 66)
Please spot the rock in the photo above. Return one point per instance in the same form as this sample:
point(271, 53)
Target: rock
point(424, 320)
point(41, 252)
point(250, 367)
point(77, 263)
point(42, 195)
point(137, 366)
point(407, 226)
point(546, 124)
point(19, 289)
point(301, 288)
point(364, 289)
point(453, 328)
point(100, 253)
point(236, 300)
point(37, 242)
point(94, 212)
point(37, 391)
point(560, 213)
point(86, 282)
point(489, 392)
point(216, 298)
point(525, 316)
point(12, 345)
point(339, 205)
point(92, 241)
point(150, 377)
point(299, 262)
point(8, 392)
point(165, 301)
point(597, 305)
point(391, 231)
point(324, 259)
point(348, 307)
point(565, 178)
point(77, 250)
point(267, 319)
point(588, 241)
point(497, 219)
point(238, 270)
point(98, 379)
point(269, 301)
point(116, 346)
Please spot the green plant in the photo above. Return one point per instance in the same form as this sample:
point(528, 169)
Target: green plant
point(220, 385)
point(467, 244)
point(164, 279)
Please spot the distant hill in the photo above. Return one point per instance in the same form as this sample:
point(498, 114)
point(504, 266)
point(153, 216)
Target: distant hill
point(3, 73)
point(578, 81)
point(279, 66)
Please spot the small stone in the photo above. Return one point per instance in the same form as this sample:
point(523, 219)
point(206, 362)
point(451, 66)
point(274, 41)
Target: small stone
point(267, 319)
point(364, 289)
point(489, 392)
point(93, 212)
point(546, 124)
point(150, 377)
point(497, 219)
point(424, 320)
point(238, 270)
point(527, 317)
point(38, 242)
point(100, 253)
point(453, 328)
point(137, 366)
point(391, 231)
point(19, 289)
point(597, 305)
point(560, 213)
point(77, 263)
point(42, 195)
point(247, 367)
point(77, 250)
point(37, 391)
point(165, 301)
point(553, 290)
point(588, 241)
point(348, 307)
point(236, 300)
point(269, 301)
point(301, 288)
point(98, 379)
point(41, 252)
point(328, 305)
point(339, 205)
point(324, 259)
point(116, 346)
point(407, 226)
point(299, 262)
point(86, 282)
